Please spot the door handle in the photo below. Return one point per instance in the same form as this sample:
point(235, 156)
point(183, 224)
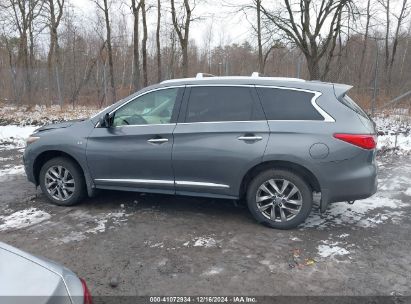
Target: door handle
point(250, 138)
point(158, 140)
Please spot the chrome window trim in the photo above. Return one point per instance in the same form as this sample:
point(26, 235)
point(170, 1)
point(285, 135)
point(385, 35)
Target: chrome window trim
point(149, 125)
point(201, 184)
point(327, 117)
point(220, 122)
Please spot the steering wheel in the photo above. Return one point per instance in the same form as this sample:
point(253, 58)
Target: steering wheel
point(135, 120)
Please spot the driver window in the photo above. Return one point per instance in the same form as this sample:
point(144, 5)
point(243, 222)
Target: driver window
point(152, 108)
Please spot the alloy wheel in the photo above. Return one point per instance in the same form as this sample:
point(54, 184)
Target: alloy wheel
point(59, 183)
point(279, 200)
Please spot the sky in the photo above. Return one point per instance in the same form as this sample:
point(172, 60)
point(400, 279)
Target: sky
point(227, 27)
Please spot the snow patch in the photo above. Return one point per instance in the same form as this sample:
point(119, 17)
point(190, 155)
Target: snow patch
point(331, 250)
point(42, 115)
point(14, 137)
point(408, 192)
point(357, 214)
point(402, 141)
point(213, 271)
point(91, 224)
point(206, 242)
point(102, 221)
point(396, 129)
point(73, 237)
point(5, 158)
point(23, 219)
point(17, 170)
point(154, 245)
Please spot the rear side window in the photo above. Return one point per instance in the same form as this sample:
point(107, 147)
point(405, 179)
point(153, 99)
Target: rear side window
point(347, 100)
point(221, 104)
point(283, 104)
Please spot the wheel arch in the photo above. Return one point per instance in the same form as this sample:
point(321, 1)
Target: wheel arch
point(302, 171)
point(45, 156)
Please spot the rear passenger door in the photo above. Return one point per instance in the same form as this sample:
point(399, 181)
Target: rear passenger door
point(221, 133)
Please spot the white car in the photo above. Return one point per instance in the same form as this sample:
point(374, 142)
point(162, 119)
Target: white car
point(25, 278)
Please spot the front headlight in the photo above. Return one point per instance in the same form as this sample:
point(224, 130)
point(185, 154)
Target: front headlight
point(31, 139)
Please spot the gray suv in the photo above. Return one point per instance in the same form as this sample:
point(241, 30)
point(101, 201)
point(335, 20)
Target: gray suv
point(272, 141)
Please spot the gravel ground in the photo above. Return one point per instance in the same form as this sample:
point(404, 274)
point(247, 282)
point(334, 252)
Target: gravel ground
point(165, 245)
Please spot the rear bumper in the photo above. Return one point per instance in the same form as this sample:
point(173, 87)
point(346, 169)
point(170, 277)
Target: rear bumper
point(349, 180)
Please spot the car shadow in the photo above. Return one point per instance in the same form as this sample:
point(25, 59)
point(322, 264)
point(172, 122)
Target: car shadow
point(168, 204)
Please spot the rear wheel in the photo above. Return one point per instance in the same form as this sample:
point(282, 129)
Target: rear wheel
point(62, 181)
point(279, 199)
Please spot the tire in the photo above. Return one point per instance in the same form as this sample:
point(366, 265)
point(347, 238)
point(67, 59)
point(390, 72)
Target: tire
point(295, 209)
point(71, 186)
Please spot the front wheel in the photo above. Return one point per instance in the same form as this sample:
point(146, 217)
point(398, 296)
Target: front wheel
point(62, 181)
point(279, 199)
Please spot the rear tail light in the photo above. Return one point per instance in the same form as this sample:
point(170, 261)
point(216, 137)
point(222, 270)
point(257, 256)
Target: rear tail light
point(86, 293)
point(365, 141)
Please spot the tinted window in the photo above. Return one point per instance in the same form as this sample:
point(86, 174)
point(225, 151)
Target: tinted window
point(280, 104)
point(152, 108)
point(220, 104)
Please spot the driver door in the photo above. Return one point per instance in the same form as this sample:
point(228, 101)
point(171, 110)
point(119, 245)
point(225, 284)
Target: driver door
point(134, 153)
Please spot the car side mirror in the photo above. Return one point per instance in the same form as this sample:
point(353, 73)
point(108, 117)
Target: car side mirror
point(105, 121)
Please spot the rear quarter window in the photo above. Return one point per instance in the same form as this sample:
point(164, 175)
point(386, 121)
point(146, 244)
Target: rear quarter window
point(285, 104)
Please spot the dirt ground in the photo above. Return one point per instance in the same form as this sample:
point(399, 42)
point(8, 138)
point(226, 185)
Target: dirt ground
point(165, 245)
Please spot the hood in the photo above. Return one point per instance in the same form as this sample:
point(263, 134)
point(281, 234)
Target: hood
point(60, 125)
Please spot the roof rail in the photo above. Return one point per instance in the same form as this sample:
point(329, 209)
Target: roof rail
point(202, 75)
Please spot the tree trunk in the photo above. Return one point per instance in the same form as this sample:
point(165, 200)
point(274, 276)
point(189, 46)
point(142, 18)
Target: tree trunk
point(136, 47)
point(313, 68)
point(158, 41)
point(110, 54)
point(184, 67)
point(365, 44)
point(144, 42)
point(182, 32)
point(53, 56)
point(387, 35)
point(53, 37)
point(260, 47)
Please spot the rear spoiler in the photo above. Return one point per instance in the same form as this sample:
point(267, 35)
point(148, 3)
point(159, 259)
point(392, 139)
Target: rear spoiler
point(341, 89)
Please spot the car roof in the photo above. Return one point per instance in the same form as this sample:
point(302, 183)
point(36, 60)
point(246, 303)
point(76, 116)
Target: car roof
point(254, 79)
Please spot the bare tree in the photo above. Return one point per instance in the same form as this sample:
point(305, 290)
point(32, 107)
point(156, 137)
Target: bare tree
point(144, 41)
point(404, 13)
point(259, 39)
point(135, 7)
point(386, 4)
point(313, 26)
point(21, 15)
point(181, 23)
point(391, 46)
point(158, 45)
point(55, 13)
point(365, 41)
point(106, 11)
